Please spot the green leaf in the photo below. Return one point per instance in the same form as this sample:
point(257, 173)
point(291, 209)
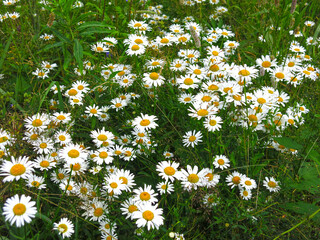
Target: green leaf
point(288, 143)
point(78, 53)
point(46, 48)
point(60, 36)
point(97, 30)
point(5, 50)
point(303, 208)
point(93, 24)
point(315, 156)
point(45, 94)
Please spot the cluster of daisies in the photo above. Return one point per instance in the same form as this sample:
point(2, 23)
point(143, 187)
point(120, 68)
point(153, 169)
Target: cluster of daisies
point(9, 15)
point(215, 92)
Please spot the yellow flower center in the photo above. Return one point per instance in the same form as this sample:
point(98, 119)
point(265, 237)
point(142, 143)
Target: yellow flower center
point(60, 176)
point(209, 176)
point(169, 171)
point(191, 55)
point(137, 25)
point(155, 64)
point(187, 99)
point(214, 68)
point(124, 180)
point(182, 39)
point(253, 118)
point(237, 97)
point(213, 87)
point(98, 212)
point(291, 121)
point(72, 92)
point(266, 64)
point(144, 196)
point(245, 193)
point(122, 72)
point(212, 122)
point(135, 48)
point(291, 64)
point(113, 185)
point(73, 153)
point(192, 139)
point(34, 136)
point(148, 215)
point(118, 105)
point(215, 53)
point(83, 190)
point(3, 139)
point(248, 183)
point(272, 184)
point(37, 123)
point(306, 72)
point(17, 169)
point(178, 65)
point(132, 208)
point(103, 155)
point(45, 164)
point(203, 112)
point(35, 184)
point(164, 40)
point(75, 167)
point(193, 178)
point(244, 72)
point(61, 117)
point(62, 138)
point(154, 76)
point(197, 71)
point(236, 180)
point(19, 209)
point(93, 111)
point(99, 49)
point(188, 81)
point(102, 137)
point(220, 161)
point(261, 100)
point(138, 41)
point(279, 75)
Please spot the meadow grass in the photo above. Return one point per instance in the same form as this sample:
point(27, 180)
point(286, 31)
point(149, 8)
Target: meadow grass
point(134, 120)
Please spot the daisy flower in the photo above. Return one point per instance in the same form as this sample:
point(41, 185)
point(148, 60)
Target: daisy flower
point(62, 137)
point(234, 179)
point(188, 81)
point(266, 63)
point(99, 47)
point(135, 49)
point(165, 188)
point(101, 137)
point(145, 122)
point(44, 162)
point(59, 175)
point(168, 154)
point(114, 184)
point(16, 169)
point(178, 65)
point(46, 37)
point(213, 123)
point(153, 79)
point(73, 153)
point(19, 210)
point(186, 98)
point(36, 182)
point(61, 117)
point(5, 139)
point(211, 200)
point(118, 104)
point(129, 207)
point(245, 194)
point(41, 73)
point(103, 155)
point(192, 138)
point(271, 184)
point(126, 177)
point(81, 86)
point(38, 122)
point(43, 145)
point(168, 171)
point(191, 179)
point(221, 161)
point(248, 183)
point(64, 227)
point(210, 178)
point(93, 110)
point(148, 215)
point(145, 194)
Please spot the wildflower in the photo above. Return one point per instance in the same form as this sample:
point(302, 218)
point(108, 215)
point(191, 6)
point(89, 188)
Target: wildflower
point(93, 110)
point(65, 227)
point(211, 200)
point(19, 210)
point(221, 161)
point(191, 179)
point(149, 215)
point(153, 79)
point(248, 183)
point(271, 184)
point(145, 122)
point(234, 179)
point(36, 182)
point(145, 194)
point(16, 169)
point(99, 47)
point(61, 117)
point(41, 73)
point(168, 171)
point(192, 138)
point(102, 137)
point(165, 188)
point(245, 194)
point(44, 162)
point(213, 123)
point(129, 207)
